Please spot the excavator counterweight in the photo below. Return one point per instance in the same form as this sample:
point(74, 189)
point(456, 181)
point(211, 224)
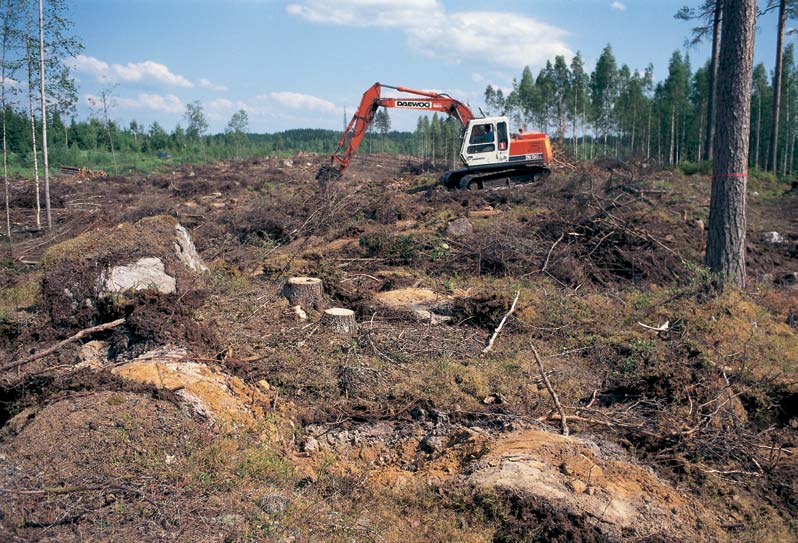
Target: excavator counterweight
point(490, 153)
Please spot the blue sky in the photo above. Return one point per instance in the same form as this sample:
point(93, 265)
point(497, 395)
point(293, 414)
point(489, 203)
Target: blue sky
point(299, 63)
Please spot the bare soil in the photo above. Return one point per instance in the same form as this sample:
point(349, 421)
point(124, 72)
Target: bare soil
point(682, 393)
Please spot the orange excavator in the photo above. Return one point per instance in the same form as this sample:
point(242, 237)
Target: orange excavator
point(491, 155)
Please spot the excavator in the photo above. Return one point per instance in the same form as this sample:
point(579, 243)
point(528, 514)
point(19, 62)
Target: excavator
point(491, 155)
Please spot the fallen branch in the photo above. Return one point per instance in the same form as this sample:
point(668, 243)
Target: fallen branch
point(557, 404)
point(496, 332)
point(548, 256)
point(58, 346)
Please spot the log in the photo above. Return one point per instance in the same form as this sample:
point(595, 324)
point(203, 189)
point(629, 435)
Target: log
point(305, 292)
point(59, 345)
point(342, 321)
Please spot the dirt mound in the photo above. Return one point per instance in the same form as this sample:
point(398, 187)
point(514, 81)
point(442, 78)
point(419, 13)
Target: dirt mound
point(225, 400)
point(620, 499)
point(108, 471)
point(85, 279)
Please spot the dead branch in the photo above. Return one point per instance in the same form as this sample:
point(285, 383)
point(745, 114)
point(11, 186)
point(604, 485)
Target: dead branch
point(50, 350)
point(496, 332)
point(563, 417)
point(548, 256)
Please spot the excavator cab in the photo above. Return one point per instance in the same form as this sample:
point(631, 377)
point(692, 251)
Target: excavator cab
point(486, 141)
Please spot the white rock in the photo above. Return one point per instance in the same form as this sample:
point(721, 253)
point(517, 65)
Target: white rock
point(187, 252)
point(773, 237)
point(147, 273)
point(300, 313)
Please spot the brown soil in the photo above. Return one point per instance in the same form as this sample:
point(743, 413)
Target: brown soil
point(271, 428)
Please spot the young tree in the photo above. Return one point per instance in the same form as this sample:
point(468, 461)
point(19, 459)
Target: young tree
point(603, 88)
point(105, 101)
point(197, 125)
point(237, 127)
point(10, 18)
point(777, 76)
point(382, 124)
point(725, 252)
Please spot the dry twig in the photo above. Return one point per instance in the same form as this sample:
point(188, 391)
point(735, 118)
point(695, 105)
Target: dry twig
point(496, 332)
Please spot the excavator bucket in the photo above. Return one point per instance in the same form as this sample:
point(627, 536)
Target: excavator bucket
point(327, 174)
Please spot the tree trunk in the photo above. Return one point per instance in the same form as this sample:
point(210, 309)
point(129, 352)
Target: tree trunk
point(672, 150)
point(774, 116)
point(713, 78)
point(305, 292)
point(648, 132)
point(5, 143)
point(44, 118)
point(758, 129)
point(33, 131)
point(342, 321)
point(727, 222)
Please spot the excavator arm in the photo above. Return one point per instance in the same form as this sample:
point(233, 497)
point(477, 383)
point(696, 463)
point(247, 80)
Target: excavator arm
point(369, 104)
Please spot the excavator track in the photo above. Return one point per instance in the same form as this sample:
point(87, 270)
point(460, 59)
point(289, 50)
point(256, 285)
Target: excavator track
point(496, 179)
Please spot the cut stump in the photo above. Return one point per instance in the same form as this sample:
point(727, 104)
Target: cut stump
point(340, 320)
point(305, 292)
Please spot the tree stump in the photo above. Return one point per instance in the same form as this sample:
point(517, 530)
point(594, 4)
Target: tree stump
point(305, 292)
point(341, 320)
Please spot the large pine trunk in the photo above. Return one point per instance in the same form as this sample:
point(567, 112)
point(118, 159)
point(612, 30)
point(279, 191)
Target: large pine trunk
point(774, 116)
point(713, 78)
point(726, 237)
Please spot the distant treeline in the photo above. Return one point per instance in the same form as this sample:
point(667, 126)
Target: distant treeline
point(620, 111)
point(136, 147)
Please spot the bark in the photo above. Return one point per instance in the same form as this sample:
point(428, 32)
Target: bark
point(713, 77)
point(5, 143)
point(305, 292)
point(340, 320)
point(774, 125)
point(725, 253)
point(758, 129)
point(44, 118)
point(33, 130)
point(672, 150)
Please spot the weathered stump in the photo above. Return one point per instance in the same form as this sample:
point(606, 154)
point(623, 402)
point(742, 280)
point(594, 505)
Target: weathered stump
point(340, 320)
point(305, 292)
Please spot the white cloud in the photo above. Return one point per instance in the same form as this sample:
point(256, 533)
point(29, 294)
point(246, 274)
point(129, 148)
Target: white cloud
point(494, 37)
point(206, 84)
point(296, 100)
point(618, 6)
point(146, 71)
point(9, 83)
point(143, 101)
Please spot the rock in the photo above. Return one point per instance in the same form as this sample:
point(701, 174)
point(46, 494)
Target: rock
point(311, 445)
point(145, 274)
point(537, 467)
point(299, 313)
point(497, 398)
point(187, 252)
point(233, 521)
point(264, 385)
point(577, 486)
point(773, 238)
point(459, 228)
point(93, 354)
point(114, 263)
point(699, 225)
point(434, 443)
point(288, 163)
point(221, 398)
point(423, 304)
point(273, 503)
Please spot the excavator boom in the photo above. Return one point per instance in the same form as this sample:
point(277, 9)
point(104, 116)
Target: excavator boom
point(363, 117)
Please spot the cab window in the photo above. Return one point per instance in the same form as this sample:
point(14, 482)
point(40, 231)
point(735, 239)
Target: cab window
point(501, 130)
point(482, 139)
